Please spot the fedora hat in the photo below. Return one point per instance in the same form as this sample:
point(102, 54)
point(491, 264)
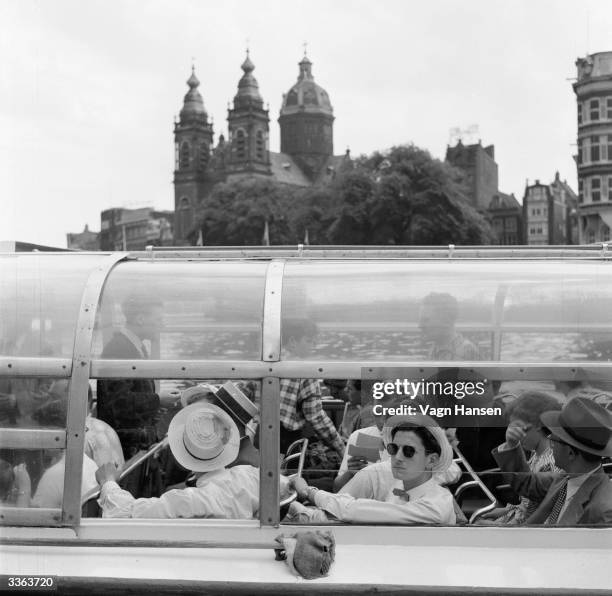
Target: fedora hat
point(582, 423)
point(422, 420)
point(202, 437)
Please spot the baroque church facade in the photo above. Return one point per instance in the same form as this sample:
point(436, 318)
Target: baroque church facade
point(306, 156)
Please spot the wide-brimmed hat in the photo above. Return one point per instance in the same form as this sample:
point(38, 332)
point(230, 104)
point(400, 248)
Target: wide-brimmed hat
point(202, 437)
point(582, 423)
point(228, 396)
point(421, 420)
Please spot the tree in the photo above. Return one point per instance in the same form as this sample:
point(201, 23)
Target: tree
point(235, 213)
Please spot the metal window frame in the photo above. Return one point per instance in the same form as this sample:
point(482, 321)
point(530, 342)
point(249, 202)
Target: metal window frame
point(79, 387)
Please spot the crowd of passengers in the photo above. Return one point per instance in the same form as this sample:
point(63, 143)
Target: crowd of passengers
point(395, 469)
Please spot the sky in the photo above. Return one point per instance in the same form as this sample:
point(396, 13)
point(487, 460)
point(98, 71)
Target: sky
point(89, 89)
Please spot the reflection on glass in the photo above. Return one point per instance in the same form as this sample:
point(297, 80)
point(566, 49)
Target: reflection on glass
point(34, 477)
point(36, 402)
point(207, 310)
point(522, 312)
point(40, 297)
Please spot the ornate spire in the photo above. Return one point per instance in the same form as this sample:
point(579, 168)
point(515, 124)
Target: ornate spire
point(193, 105)
point(248, 88)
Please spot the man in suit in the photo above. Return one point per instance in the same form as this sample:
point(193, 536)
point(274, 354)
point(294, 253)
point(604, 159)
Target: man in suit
point(131, 406)
point(581, 436)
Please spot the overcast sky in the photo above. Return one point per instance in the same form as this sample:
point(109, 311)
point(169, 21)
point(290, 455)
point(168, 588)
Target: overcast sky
point(89, 89)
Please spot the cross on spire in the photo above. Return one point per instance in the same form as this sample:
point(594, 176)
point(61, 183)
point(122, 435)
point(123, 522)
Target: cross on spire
point(305, 44)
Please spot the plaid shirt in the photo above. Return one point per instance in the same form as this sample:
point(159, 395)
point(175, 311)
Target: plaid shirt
point(300, 401)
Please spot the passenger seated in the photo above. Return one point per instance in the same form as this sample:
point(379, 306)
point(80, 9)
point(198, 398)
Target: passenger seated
point(50, 489)
point(352, 464)
point(15, 485)
point(418, 448)
point(204, 439)
point(437, 318)
point(101, 441)
point(525, 413)
point(581, 435)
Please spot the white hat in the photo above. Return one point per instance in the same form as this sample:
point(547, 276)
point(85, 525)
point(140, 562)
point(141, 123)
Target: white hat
point(421, 420)
point(203, 437)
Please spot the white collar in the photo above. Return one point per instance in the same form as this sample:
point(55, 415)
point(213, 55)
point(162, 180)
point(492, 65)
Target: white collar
point(418, 491)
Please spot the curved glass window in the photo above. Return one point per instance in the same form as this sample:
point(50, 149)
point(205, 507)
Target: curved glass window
point(40, 297)
point(182, 311)
point(444, 310)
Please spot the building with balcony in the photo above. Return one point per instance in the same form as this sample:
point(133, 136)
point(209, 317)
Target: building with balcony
point(593, 89)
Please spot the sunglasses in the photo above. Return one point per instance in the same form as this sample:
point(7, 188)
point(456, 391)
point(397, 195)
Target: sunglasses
point(408, 451)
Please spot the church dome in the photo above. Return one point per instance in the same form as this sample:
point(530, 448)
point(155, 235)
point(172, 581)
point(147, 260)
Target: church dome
point(306, 95)
point(193, 105)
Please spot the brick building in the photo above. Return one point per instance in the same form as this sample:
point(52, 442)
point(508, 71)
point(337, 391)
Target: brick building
point(306, 154)
point(506, 216)
point(480, 169)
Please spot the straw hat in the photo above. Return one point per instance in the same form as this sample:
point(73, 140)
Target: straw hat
point(446, 451)
point(203, 437)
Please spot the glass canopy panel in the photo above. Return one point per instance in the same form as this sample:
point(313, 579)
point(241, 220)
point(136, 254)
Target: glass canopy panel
point(534, 311)
point(40, 297)
point(184, 310)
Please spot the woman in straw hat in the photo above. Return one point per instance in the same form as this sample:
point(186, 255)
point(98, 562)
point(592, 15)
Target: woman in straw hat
point(418, 448)
point(204, 439)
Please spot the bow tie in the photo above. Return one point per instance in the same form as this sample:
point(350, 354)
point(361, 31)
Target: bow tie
point(401, 493)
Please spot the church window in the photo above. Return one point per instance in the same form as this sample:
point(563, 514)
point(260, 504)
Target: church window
point(260, 145)
point(240, 144)
point(184, 157)
point(185, 203)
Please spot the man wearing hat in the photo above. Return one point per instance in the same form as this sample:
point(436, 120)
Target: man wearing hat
point(205, 439)
point(419, 449)
point(581, 436)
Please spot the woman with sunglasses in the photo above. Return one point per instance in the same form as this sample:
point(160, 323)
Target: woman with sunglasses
point(418, 448)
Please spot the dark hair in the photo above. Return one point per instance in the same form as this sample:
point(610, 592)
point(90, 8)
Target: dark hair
point(297, 329)
point(7, 478)
point(429, 442)
point(444, 303)
point(530, 405)
point(136, 304)
point(357, 384)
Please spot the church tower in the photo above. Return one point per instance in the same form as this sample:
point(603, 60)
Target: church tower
point(193, 138)
point(248, 125)
point(306, 122)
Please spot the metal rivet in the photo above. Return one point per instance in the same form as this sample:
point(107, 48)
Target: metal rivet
point(270, 474)
point(320, 370)
point(183, 368)
point(270, 427)
point(133, 368)
point(10, 366)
